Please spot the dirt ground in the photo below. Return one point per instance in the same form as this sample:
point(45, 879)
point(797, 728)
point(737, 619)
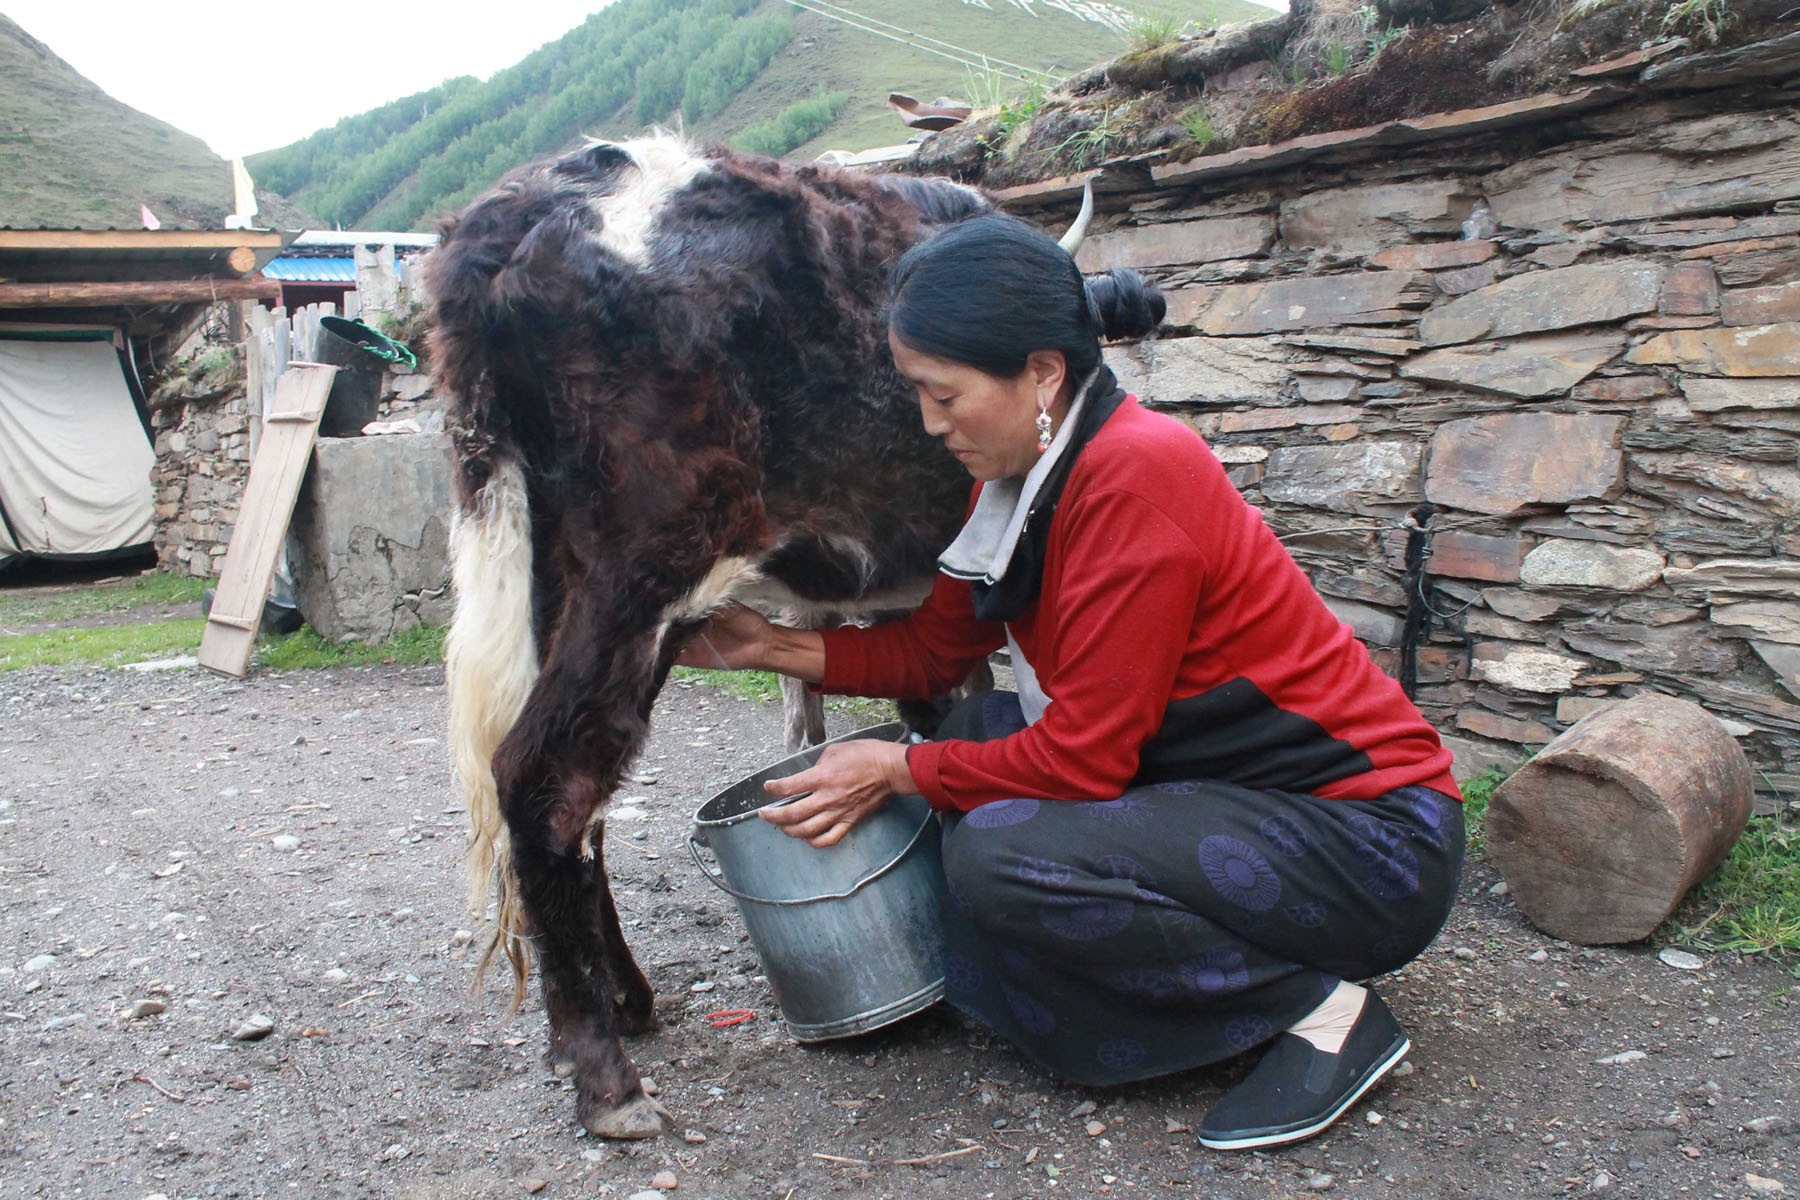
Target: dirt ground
point(143, 820)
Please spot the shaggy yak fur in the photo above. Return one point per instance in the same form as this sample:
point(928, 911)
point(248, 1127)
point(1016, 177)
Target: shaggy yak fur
point(670, 385)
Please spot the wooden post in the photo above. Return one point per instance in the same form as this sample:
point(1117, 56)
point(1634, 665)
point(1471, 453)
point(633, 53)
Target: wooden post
point(268, 503)
point(1602, 834)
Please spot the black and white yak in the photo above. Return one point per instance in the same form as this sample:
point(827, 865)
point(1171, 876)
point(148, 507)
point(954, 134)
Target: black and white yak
point(670, 386)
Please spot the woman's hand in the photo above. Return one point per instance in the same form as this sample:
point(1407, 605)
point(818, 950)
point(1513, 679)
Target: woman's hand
point(850, 781)
point(735, 638)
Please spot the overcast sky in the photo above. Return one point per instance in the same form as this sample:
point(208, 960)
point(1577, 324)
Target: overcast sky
point(255, 75)
point(258, 74)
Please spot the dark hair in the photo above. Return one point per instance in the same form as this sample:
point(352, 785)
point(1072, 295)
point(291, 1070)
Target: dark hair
point(988, 291)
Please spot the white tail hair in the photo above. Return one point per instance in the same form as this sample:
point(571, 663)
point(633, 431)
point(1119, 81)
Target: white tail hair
point(491, 663)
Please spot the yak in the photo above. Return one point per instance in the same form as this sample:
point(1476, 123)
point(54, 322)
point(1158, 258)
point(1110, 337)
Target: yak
point(669, 387)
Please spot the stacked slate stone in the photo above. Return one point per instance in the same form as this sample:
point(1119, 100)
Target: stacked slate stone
point(202, 460)
point(1579, 342)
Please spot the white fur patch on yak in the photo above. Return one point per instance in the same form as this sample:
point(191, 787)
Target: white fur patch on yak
point(664, 166)
point(491, 661)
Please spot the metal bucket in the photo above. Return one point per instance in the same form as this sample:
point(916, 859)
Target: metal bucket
point(848, 935)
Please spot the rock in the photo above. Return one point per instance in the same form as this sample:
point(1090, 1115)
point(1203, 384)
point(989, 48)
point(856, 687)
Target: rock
point(1760, 305)
point(1403, 1070)
point(1518, 604)
point(63, 1022)
point(1498, 464)
point(1435, 256)
point(1474, 556)
point(1502, 728)
point(1730, 162)
point(664, 1181)
point(1318, 389)
point(1374, 626)
point(705, 985)
point(1176, 1125)
point(1565, 562)
point(1601, 1182)
point(1570, 709)
point(1529, 671)
point(1344, 478)
point(534, 1186)
point(334, 975)
point(1094, 1128)
point(1373, 1117)
point(1538, 956)
point(1784, 661)
point(1463, 953)
point(1546, 365)
point(1354, 220)
point(1760, 1185)
point(1765, 1126)
point(1680, 650)
point(1215, 370)
point(692, 1137)
point(373, 531)
point(254, 1028)
point(1768, 620)
point(1258, 420)
point(1084, 1109)
point(1754, 350)
point(1714, 395)
point(1542, 301)
point(1692, 289)
point(645, 1195)
point(1499, 889)
point(1464, 280)
point(1377, 297)
point(1681, 960)
point(1622, 1058)
point(1320, 1181)
point(1621, 389)
point(40, 962)
point(285, 842)
point(145, 1008)
point(1177, 243)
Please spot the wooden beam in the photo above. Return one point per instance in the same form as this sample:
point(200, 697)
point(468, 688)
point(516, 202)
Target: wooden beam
point(138, 239)
point(171, 291)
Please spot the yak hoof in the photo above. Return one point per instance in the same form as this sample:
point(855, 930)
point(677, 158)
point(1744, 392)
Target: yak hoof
point(638, 1117)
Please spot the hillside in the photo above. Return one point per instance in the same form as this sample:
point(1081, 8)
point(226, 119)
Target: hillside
point(73, 157)
point(715, 68)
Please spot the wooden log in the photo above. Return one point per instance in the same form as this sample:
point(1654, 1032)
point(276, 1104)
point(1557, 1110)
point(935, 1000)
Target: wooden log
point(1602, 834)
point(165, 291)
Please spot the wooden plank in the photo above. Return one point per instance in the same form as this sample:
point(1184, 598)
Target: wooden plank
point(258, 320)
point(137, 239)
point(268, 503)
point(94, 295)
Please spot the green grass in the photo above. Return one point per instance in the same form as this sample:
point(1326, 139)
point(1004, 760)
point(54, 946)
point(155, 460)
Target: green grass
point(1476, 794)
point(1199, 124)
point(306, 650)
point(152, 587)
point(100, 645)
point(1752, 902)
point(764, 687)
point(1149, 32)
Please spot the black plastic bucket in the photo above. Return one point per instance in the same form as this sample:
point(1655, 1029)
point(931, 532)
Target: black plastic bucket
point(361, 355)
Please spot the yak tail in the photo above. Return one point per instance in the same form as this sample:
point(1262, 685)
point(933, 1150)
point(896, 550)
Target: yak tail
point(491, 663)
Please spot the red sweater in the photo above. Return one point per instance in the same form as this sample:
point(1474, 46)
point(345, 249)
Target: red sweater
point(1175, 638)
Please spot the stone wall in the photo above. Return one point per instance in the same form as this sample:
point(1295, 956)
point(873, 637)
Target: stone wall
point(203, 458)
point(1579, 342)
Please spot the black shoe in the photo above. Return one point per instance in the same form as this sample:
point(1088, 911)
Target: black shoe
point(1297, 1090)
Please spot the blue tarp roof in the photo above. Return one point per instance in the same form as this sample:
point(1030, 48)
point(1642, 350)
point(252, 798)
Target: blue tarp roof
point(290, 269)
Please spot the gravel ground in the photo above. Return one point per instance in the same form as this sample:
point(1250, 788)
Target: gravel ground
point(206, 853)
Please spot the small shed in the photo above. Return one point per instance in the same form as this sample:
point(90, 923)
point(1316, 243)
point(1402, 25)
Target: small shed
point(84, 315)
point(321, 266)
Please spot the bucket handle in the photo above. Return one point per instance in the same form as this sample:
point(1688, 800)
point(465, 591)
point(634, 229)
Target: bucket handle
point(718, 879)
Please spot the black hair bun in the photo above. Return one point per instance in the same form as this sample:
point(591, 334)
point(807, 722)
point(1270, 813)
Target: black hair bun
point(1125, 304)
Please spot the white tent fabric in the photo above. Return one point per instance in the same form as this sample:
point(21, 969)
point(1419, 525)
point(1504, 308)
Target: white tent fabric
point(74, 460)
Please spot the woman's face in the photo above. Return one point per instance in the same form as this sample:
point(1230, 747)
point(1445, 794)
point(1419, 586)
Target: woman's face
point(986, 421)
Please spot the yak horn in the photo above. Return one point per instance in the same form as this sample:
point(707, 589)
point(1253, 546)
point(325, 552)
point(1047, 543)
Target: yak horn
point(1071, 241)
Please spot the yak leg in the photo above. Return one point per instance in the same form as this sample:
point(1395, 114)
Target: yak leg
point(561, 761)
point(802, 715)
